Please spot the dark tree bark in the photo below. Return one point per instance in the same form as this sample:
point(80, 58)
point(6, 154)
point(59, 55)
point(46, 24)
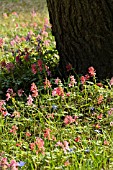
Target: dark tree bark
point(83, 31)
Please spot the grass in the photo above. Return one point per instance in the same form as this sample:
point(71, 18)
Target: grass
point(47, 123)
point(24, 9)
point(23, 6)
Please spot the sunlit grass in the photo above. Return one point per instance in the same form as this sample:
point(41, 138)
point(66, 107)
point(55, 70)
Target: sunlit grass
point(24, 9)
point(23, 6)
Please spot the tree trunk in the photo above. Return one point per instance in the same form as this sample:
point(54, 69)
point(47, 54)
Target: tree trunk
point(83, 31)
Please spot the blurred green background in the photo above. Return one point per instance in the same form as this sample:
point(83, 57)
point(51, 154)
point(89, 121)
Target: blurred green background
point(8, 6)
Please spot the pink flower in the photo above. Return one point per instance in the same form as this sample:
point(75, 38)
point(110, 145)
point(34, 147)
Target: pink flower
point(13, 42)
point(14, 13)
point(106, 142)
point(5, 113)
point(47, 133)
point(18, 144)
point(34, 90)
point(39, 37)
point(68, 67)
point(77, 139)
point(87, 77)
point(32, 146)
point(20, 92)
point(34, 24)
point(44, 33)
point(10, 90)
point(54, 92)
point(68, 120)
point(50, 115)
point(57, 81)
point(28, 134)
point(46, 21)
point(110, 112)
point(58, 91)
point(111, 123)
point(40, 62)
point(100, 84)
point(29, 100)
point(59, 144)
point(18, 60)
point(72, 81)
point(17, 39)
point(100, 99)
point(16, 25)
point(8, 96)
point(46, 43)
point(3, 163)
point(64, 145)
point(29, 35)
point(68, 94)
point(48, 71)
point(23, 39)
point(16, 114)
point(14, 129)
point(10, 93)
point(47, 84)
point(67, 163)
point(40, 143)
point(26, 57)
point(99, 116)
point(53, 138)
point(13, 163)
point(24, 25)
point(82, 79)
point(91, 71)
point(1, 42)
point(34, 68)
point(111, 81)
point(2, 109)
point(2, 102)
point(10, 66)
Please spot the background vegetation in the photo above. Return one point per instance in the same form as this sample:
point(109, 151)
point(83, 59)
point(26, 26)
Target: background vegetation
point(45, 122)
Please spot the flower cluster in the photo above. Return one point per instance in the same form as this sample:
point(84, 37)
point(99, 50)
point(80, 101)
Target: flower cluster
point(72, 81)
point(39, 145)
point(69, 119)
point(34, 90)
point(64, 145)
point(13, 165)
point(58, 91)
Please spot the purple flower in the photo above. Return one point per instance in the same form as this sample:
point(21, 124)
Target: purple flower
point(71, 150)
point(21, 163)
point(92, 109)
point(87, 150)
point(54, 107)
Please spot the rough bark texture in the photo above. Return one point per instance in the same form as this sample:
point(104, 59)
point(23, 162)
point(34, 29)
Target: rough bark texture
point(83, 30)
